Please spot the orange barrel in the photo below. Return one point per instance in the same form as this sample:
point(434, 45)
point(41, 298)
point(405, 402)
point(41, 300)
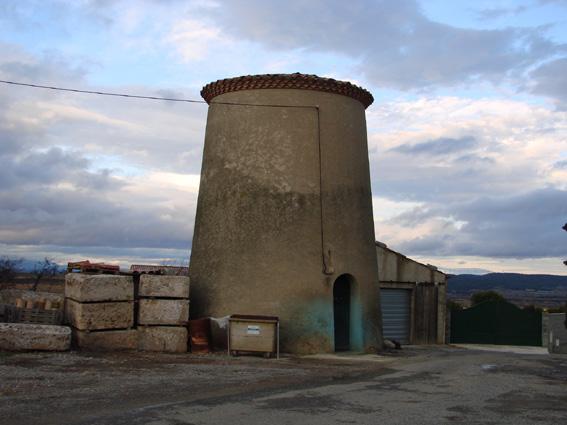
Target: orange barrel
point(200, 335)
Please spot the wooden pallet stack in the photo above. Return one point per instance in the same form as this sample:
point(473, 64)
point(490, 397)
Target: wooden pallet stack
point(100, 310)
point(163, 312)
point(42, 308)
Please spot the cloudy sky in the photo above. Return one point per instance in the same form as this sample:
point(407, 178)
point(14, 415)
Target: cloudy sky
point(467, 135)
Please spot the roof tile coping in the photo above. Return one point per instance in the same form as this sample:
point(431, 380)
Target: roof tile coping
point(286, 81)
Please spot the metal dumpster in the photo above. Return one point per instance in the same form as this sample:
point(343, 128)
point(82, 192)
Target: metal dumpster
point(254, 334)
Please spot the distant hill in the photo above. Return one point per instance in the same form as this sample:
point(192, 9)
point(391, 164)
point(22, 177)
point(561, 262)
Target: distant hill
point(508, 281)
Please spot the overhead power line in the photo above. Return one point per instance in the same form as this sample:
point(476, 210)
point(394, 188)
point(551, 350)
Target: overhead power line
point(169, 99)
point(102, 93)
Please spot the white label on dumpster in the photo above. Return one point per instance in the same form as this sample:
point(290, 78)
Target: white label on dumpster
point(253, 330)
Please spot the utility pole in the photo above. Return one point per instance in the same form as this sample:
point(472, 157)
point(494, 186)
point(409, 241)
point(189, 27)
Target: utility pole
point(565, 228)
point(565, 262)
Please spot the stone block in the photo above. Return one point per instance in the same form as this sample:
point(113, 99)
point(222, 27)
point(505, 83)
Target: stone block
point(169, 339)
point(106, 340)
point(163, 312)
point(95, 316)
point(24, 337)
point(99, 287)
point(164, 286)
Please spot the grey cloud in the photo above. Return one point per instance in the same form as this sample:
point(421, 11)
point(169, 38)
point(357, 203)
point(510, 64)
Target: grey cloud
point(397, 45)
point(549, 80)
point(10, 141)
point(498, 12)
point(560, 165)
point(87, 218)
point(159, 135)
point(412, 218)
point(493, 13)
point(559, 2)
point(20, 15)
point(522, 226)
point(150, 134)
point(52, 68)
point(425, 179)
point(472, 159)
point(54, 165)
point(53, 195)
point(441, 146)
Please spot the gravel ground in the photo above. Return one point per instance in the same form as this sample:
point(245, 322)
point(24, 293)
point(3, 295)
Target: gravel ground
point(420, 385)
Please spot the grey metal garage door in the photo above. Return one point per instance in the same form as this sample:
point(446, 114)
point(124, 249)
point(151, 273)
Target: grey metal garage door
point(396, 314)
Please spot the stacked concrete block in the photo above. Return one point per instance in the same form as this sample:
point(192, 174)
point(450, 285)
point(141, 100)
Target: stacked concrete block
point(169, 339)
point(164, 286)
point(163, 312)
point(100, 316)
point(155, 312)
point(114, 340)
point(100, 308)
point(24, 337)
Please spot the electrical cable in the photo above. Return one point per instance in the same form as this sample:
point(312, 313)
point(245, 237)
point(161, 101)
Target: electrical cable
point(102, 93)
point(136, 96)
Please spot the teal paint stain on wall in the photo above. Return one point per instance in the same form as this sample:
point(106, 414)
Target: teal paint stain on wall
point(356, 325)
point(319, 317)
point(311, 328)
point(314, 321)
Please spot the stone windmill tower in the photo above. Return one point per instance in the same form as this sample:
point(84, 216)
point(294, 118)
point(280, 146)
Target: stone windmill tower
point(284, 222)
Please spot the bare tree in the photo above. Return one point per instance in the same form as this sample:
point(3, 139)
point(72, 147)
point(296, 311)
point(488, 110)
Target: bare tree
point(9, 267)
point(42, 269)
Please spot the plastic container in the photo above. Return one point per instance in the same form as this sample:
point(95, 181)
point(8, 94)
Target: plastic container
point(200, 335)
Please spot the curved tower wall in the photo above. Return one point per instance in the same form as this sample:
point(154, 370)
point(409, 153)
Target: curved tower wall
point(284, 209)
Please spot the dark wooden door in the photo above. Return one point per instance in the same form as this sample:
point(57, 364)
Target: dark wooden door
point(341, 306)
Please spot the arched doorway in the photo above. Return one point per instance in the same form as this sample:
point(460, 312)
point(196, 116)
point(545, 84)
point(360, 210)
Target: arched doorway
point(341, 312)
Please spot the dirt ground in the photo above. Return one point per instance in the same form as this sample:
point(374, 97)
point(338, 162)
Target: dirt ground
point(91, 383)
point(415, 385)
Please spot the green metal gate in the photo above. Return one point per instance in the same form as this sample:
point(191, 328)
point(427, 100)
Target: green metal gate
point(496, 322)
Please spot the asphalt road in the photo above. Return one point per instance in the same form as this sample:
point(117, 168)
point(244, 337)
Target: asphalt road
point(418, 386)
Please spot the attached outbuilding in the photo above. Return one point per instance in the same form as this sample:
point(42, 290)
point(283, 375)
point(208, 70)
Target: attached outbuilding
point(413, 298)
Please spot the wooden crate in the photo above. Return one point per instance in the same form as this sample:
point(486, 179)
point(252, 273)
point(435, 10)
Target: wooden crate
point(253, 334)
point(15, 314)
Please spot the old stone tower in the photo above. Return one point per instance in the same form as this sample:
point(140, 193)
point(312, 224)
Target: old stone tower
point(284, 223)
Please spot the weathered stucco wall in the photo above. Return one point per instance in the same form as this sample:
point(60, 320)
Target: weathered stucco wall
point(396, 267)
point(273, 197)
